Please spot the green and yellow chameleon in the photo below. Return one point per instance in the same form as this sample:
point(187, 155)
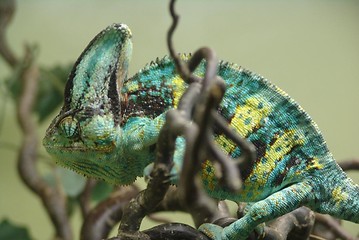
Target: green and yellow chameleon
point(109, 125)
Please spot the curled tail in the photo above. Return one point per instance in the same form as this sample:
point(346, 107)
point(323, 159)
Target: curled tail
point(342, 196)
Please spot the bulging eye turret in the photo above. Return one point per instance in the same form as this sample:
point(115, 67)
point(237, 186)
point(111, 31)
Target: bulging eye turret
point(70, 127)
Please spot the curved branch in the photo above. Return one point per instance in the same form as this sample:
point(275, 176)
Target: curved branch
point(7, 10)
point(100, 220)
point(174, 231)
point(53, 200)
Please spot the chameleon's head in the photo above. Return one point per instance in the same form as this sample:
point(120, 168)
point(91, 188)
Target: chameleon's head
point(85, 135)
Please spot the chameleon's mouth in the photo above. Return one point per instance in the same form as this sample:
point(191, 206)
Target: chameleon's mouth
point(81, 160)
point(70, 148)
point(102, 149)
point(50, 147)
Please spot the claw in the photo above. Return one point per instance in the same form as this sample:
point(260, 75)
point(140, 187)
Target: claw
point(260, 230)
point(212, 231)
point(147, 171)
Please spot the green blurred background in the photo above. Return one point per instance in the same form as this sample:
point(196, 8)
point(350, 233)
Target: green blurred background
point(308, 48)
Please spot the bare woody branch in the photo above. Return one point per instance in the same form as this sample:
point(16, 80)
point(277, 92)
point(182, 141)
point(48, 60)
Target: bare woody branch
point(101, 219)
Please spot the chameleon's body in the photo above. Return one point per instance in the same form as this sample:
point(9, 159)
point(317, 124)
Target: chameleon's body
point(109, 125)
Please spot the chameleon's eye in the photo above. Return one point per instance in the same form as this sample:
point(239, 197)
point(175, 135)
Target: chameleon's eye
point(70, 127)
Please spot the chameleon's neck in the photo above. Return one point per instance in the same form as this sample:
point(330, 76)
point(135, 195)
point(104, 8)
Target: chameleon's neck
point(342, 195)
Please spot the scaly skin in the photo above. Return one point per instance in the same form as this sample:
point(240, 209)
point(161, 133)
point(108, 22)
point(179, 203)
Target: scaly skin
point(109, 125)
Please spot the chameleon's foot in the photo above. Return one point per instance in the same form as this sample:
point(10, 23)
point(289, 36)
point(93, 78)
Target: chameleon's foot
point(212, 231)
point(260, 230)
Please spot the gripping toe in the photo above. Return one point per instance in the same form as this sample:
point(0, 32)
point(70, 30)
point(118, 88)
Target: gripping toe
point(212, 231)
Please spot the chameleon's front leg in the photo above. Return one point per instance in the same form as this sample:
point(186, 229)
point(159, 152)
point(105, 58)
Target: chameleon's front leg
point(140, 133)
point(265, 210)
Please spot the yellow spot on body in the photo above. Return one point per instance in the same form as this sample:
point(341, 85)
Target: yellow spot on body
point(339, 195)
point(315, 164)
point(141, 134)
point(249, 116)
point(179, 87)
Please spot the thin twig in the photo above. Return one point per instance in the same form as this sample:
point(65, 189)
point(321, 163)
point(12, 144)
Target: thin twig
point(349, 165)
point(182, 68)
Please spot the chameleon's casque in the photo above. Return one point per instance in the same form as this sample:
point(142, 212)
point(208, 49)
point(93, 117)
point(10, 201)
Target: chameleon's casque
point(109, 126)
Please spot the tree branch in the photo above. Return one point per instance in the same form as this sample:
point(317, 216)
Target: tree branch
point(100, 220)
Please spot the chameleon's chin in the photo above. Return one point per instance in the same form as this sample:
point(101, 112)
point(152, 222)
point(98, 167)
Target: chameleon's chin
point(90, 163)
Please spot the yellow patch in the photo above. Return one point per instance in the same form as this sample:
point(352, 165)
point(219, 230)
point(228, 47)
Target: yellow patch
point(315, 164)
point(208, 175)
point(132, 87)
point(225, 143)
point(179, 88)
point(248, 117)
point(106, 148)
point(282, 145)
point(339, 195)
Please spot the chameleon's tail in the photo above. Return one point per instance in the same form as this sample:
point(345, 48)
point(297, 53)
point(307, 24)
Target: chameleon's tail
point(343, 197)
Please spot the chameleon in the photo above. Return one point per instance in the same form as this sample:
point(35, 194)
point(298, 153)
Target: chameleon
point(109, 124)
